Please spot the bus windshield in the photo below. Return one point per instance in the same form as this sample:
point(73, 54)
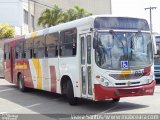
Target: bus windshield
point(116, 47)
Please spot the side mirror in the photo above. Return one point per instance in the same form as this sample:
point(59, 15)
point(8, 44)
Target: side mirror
point(95, 43)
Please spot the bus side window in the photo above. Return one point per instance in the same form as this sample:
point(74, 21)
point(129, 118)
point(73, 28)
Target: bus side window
point(4, 56)
point(32, 54)
point(19, 49)
point(6, 52)
point(39, 47)
point(9, 55)
point(28, 46)
point(68, 44)
point(52, 41)
point(24, 54)
point(46, 52)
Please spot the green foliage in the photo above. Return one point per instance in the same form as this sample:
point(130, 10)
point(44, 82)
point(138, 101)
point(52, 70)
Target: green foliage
point(6, 31)
point(54, 16)
point(50, 17)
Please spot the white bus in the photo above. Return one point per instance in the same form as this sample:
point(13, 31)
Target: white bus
point(97, 57)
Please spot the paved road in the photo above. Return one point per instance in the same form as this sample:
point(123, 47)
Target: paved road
point(41, 102)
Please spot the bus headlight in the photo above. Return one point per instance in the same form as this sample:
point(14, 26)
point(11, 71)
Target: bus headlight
point(149, 79)
point(104, 81)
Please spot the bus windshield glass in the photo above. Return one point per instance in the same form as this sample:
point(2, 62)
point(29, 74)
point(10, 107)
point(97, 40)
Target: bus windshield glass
point(157, 56)
point(114, 48)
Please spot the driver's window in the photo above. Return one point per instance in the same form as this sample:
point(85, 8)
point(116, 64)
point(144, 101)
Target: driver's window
point(106, 41)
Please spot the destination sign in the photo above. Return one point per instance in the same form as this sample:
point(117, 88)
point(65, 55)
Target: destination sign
point(121, 23)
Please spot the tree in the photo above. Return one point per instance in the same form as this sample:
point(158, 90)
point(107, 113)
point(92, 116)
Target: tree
point(50, 17)
point(6, 31)
point(54, 16)
point(80, 12)
point(69, 15)
point(75, 13)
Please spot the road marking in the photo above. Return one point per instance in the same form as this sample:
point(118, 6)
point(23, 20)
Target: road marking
point(7, 90)
point(3, 112)
point(29, 106)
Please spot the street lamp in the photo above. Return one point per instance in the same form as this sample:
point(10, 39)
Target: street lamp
point(150, 12)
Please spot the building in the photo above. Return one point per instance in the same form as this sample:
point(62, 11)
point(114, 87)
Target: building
point(23, 15)
point(19, 14)
point(92, 6)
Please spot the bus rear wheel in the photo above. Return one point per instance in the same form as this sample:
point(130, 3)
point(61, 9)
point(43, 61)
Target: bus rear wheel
point(21, 85)
point(70, 94)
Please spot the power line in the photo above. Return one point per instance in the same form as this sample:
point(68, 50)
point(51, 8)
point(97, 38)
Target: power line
point(41, 4)
point(35, 2)
point(32, 1)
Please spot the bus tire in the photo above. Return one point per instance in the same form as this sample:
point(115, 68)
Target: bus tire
point(21, 85)
point(115, 99)
point(70, 94)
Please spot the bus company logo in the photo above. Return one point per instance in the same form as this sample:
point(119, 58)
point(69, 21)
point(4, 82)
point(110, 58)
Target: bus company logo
point(128, 83)
point(124, 65)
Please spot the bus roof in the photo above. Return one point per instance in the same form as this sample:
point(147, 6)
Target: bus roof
point(14, 39)
point(71, 24)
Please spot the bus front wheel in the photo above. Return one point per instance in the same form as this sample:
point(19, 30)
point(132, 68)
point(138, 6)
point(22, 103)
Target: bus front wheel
point(70, 94)
point(115, 99)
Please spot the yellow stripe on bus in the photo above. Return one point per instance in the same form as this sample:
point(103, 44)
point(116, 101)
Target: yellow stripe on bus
point(126, 72)
point(38, 70)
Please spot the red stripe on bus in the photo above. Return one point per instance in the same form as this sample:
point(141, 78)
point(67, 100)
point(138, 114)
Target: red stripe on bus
point(53, 78)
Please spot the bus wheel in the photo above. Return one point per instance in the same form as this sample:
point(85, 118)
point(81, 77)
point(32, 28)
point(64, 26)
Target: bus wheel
point(70, 94)
point(115, 99)
point(21, 85)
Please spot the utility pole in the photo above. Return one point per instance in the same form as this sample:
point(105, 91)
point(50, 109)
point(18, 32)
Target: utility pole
point(150, 12)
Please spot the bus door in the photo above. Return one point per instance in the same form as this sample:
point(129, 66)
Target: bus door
point(86, 70)
point(12, 63)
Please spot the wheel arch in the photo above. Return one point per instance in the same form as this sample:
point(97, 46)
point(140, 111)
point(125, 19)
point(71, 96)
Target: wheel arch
point(63, 83)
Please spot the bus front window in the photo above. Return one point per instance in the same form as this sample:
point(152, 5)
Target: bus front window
point(115, 47)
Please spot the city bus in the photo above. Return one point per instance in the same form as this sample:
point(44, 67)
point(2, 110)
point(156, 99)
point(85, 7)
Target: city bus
point(98, 57)
point(157, 57)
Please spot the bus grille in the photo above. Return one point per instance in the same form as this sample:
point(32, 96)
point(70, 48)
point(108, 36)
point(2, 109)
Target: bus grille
point(125, 77)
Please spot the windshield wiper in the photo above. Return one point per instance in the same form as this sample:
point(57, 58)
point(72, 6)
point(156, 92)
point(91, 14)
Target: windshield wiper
point(132, 43)
point(119, 40)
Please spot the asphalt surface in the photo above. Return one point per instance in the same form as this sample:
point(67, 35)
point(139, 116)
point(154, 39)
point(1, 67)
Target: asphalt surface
point(50, 105)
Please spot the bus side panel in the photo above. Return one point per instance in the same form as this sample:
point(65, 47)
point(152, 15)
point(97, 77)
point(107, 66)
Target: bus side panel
point(7, 71)
point(17, 68)
point(27, 74)
point(70, 66)
point(53, 74)
point(53, 78)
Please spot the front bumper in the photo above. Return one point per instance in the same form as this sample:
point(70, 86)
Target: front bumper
point(102, 93)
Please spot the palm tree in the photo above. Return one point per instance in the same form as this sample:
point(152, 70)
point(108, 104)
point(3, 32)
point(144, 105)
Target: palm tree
point(54, 16)
point(50, 17)
point(69, 15)
point(75, 13)
point(80, 12)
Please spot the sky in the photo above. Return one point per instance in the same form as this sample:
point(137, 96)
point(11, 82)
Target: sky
point(136, 8)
